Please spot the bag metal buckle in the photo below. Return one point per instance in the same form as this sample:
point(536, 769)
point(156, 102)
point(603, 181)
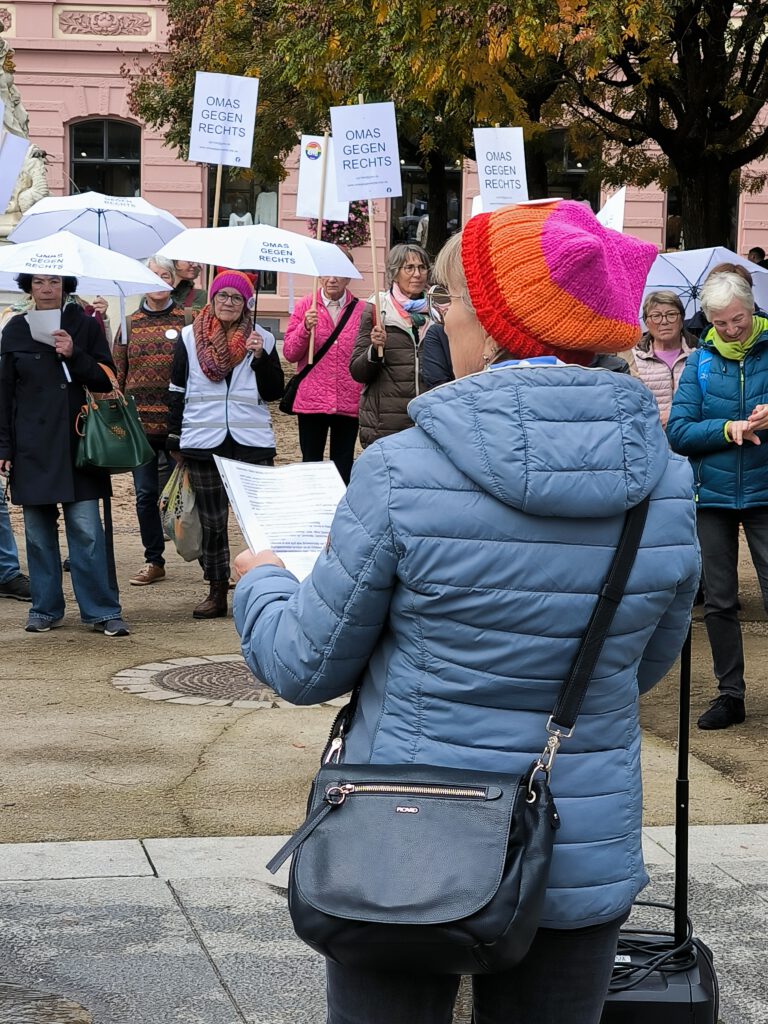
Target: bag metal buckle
point(547, 757)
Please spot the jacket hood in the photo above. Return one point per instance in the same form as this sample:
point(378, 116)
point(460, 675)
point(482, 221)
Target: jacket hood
point(550, 440)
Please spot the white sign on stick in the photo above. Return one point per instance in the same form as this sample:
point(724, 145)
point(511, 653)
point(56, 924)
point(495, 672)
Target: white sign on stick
point(500, 157)
point(612, 213)
point(310, 173)
point(12, 153)
point(223, 116)
point(366, 153)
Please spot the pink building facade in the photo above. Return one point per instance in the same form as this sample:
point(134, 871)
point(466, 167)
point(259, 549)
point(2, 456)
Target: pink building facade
point(68, 58)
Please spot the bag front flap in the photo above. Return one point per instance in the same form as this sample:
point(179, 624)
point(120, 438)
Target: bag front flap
point(407, 844)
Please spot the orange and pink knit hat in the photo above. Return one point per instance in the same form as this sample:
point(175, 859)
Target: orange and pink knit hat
point(549, 279)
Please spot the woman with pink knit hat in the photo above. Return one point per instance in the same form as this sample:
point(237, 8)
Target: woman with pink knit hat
point(462, 568)
point(225, 369)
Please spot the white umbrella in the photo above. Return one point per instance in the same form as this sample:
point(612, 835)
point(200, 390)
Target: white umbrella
point(98, 271)
point(260, 247)
point(685, 272)
point(125, 224)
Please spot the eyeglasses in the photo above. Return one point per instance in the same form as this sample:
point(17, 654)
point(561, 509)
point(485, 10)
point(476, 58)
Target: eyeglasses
point(414, 268)
point(229, 298)
point(438, 301)
point(663, 318)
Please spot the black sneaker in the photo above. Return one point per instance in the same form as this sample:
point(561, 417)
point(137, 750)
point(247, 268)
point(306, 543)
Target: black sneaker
point(723, 711)
point(112, 627)
point(17, 588)
point(39, 624)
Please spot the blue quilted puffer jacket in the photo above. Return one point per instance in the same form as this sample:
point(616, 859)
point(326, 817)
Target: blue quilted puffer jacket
point(462, 568)
point(725, 475)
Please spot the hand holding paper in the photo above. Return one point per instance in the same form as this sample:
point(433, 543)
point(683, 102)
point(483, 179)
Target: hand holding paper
point(43, 323)
point(286, 508)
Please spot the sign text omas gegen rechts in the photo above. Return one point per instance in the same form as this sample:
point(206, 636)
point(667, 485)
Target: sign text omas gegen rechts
point(223, 117)
point(365, 151)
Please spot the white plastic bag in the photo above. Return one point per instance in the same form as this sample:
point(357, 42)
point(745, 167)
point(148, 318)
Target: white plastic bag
point(181, 521)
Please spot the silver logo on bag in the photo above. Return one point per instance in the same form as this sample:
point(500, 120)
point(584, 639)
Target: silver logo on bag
point(407, 810)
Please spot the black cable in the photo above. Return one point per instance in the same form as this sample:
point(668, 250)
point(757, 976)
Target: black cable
point(662, 953)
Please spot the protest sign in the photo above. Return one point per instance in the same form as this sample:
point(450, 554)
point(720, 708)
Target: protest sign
point(500, 157)
point(12, 152)
point(223, 116)
point(314, 153)
point(366, 154)
point(612, 213)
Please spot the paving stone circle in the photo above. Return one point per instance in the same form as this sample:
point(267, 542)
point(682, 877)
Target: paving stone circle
point(219, 679)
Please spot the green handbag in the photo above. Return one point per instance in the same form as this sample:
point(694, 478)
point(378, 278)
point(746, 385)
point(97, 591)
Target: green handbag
point(110, 431)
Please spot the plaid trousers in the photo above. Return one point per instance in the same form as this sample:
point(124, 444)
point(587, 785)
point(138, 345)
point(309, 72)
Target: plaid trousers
point(213, 506)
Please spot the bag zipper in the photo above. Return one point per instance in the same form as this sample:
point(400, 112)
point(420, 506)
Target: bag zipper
point(338, 794)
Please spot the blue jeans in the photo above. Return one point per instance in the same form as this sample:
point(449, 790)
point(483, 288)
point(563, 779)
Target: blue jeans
point(9, 555)
point(95, 595)
point(148, 482)
point(563, 979)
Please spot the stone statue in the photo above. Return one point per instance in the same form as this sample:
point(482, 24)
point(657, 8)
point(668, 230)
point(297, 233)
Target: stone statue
point(32, 183)
point(15, 119)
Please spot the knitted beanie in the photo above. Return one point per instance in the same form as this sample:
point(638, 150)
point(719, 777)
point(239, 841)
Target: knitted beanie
point(549, 279)
point(232, 279)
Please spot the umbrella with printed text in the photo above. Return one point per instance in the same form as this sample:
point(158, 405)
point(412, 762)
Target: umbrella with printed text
point(260, 247)
point(125, 224)
point(98, 270)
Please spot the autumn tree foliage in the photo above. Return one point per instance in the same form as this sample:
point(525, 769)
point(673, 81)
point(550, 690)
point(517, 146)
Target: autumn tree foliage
point(674, 89)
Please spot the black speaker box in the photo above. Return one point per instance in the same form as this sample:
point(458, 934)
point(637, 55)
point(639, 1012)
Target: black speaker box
point(687, 997)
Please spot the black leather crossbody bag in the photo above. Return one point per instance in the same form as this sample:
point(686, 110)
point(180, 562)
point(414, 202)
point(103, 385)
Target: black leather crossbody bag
point(420, 868)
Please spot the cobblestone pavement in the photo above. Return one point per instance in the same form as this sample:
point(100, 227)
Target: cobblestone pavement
point(194, 931)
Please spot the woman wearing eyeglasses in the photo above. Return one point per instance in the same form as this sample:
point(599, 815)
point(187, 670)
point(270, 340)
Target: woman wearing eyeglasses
point(225, 369)
point(386, 356)
point(661, 353)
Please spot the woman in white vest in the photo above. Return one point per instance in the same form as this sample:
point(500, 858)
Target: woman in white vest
point(225, 370)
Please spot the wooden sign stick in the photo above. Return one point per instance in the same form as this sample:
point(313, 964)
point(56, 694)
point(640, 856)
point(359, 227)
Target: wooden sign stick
point(319, 236)
point(216, 205)
point(374, 265)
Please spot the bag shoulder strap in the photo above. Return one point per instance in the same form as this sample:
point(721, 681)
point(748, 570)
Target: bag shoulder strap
point(112, 378)
point(341, 323)
point(574, 688)
point(705, 368)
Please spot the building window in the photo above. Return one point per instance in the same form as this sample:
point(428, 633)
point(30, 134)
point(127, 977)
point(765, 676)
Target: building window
point(244, 201)
point(409, 220)
point(105, 156)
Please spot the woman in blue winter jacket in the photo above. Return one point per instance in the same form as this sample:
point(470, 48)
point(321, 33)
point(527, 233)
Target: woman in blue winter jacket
point(717, 419)
point(462, 568)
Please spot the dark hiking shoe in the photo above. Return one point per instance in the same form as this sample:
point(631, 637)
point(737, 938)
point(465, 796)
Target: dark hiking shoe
point(17, 588)
point(723, 711)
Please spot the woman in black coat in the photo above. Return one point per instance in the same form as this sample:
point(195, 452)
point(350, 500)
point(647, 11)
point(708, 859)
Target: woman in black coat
point(41, 393)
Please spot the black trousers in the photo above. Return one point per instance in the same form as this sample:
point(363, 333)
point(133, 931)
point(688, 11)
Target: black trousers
point(563, 979)
point(313, 433)
point(718, 530)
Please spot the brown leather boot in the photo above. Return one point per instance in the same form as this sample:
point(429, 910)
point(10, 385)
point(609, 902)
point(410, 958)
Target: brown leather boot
point(215, 605)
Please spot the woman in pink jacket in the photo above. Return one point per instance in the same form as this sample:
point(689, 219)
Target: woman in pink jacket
point(660, 355)
point(327, 398)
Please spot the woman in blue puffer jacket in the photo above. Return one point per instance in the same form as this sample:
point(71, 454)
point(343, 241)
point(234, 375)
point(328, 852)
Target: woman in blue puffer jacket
point(461, 571)
point(716, 419)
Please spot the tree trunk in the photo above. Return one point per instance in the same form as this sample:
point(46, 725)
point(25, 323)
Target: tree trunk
point(705, 207)
point(437, 186)
point(536, 168)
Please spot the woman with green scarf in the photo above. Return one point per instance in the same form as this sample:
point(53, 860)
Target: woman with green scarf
point(719, 419)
